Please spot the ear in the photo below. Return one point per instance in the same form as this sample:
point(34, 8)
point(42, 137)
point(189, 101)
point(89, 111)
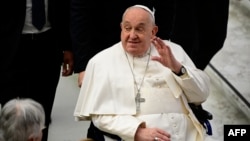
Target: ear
point(154, 30)
point(121, 25)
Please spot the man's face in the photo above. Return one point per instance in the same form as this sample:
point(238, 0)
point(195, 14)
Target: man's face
point(137, 30)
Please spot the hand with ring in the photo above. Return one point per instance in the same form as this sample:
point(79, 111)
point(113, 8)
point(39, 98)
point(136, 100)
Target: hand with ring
point(151, 134)
point(156, 139)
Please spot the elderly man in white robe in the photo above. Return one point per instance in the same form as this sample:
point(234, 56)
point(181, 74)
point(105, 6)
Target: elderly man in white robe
point(139, 88)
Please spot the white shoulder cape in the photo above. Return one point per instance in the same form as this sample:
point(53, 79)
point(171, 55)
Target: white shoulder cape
point(100, 94)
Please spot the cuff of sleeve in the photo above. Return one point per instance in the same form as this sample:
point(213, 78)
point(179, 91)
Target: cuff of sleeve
point(132, 133)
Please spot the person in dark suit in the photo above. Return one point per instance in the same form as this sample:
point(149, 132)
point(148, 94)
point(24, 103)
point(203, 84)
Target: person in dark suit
point(199, 27)
point(31, 57)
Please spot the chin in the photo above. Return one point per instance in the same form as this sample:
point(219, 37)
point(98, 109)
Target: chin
point(133, 51)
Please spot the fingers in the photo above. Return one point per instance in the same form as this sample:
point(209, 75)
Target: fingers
point(151, 134)
point(79, 83)
point(161, 48)
point(80, 78)
point(158, 42)
point(161, 138)
point(67, 70)
point(155, 41)
point(162, 135)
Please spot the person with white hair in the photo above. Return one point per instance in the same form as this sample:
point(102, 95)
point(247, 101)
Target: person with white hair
point(22, 120)
point(139, 88)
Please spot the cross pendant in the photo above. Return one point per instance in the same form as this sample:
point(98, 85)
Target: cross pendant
point(138, 100)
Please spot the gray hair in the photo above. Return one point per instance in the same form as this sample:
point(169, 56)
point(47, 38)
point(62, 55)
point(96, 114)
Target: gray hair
point(21, 119)
point(151, 13)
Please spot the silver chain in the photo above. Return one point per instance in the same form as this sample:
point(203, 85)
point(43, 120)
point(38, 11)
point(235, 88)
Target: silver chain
point(137, 87)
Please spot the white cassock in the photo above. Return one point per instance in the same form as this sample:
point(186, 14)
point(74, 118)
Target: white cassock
point(107, 95)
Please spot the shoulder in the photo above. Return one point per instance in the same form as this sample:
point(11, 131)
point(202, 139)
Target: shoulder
point(177, 50)
point(108, 54)
point(173, 46)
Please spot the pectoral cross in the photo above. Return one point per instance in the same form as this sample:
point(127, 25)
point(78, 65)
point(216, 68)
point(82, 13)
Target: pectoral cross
point(138, 100)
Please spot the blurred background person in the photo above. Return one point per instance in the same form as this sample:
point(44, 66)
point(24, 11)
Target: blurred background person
point(22, 120)
point(200, 27)
point(35, 44)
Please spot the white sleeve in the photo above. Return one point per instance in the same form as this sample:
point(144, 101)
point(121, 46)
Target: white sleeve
point(124, 126)
point(196, 83)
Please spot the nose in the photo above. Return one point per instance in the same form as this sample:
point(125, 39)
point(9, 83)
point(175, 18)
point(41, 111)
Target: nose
point(133, 34)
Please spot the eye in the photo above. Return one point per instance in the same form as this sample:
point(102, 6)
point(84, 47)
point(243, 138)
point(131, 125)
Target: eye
point(140, 29)
point(127, 28)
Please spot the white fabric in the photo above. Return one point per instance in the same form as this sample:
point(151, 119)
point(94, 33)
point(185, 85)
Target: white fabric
point(178, 125)
point(108, 94)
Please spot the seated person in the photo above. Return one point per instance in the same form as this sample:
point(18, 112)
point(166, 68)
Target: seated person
point(139, 88)
point(21, 120)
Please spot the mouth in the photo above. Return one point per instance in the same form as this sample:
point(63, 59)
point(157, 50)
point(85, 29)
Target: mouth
point(133, 42)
